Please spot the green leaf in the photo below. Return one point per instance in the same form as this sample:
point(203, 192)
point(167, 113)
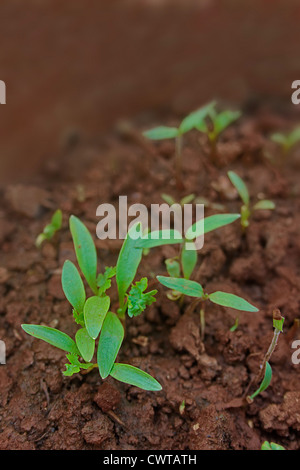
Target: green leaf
point(95, 310)
point(232, 301)
point(138, 300)
point(168, 199)
point(104, 280)
point(52, 336)
point(279, 138)
point(173, 267)
point(85, 251)
point(224, 119)
point(265, 383)
point(128, 262)
point(73, 286)
point(159, 238)
point(85, 344)
point(110, 341)
point(134, 376)
point(240, 186)
point(278, 324)
point(188, 261)
point(196, 118)
point(294, 137)
point(184, 286)
point(74, 366)
point(271, 446)
point(208, 224)
point(187, 199)
point(264, 205)
point(161, 132)
point(56, 220)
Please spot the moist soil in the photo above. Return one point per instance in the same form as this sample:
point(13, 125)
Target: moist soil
point(42, 409)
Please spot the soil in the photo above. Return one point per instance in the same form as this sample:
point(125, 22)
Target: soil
point(42, 409)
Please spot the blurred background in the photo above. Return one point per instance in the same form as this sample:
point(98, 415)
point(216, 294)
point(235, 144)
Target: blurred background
point(77, 67)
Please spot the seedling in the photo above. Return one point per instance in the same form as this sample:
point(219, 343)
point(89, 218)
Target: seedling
point(194, 289)
point(287, 141)
point(271, 446)
point(217, 123)
point(50, 229)
point(163, 132)
point(265, 373)
point(247, 209)
point(171, 201)
point(185, 263)
point(93, 314)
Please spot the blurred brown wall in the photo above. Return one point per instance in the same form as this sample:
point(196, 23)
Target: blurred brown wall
point(84, 64)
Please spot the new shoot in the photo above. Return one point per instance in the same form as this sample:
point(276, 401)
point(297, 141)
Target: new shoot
point(50, 229)
point(287, 141)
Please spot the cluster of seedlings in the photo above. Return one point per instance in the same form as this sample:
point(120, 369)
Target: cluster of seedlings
point(102, 330)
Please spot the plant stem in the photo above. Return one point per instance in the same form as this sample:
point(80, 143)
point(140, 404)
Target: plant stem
point(202, 322)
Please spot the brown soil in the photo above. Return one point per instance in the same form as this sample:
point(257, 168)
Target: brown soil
point(41, 409)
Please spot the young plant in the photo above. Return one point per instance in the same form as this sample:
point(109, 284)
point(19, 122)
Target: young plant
point(50, 229)
point(164, 132)
point(287, 141)
point(93, 314)
point(194, 289)
point(271, 446)
point(217, 123)
point(247, 209)
point(186, 261)
point(265, 374)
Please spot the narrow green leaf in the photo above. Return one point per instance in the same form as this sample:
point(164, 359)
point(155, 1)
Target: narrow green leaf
point(208, 224)
point(73, 286)
point(224, 119)
point(52, 336)
point(265, 383)
point(159, 238)
point(194, 119)
point(85, 251)
point(134, 376)
point(168, 199)
point(85, 344)
point(161, 132)
point(111, 337)
point(240, 186)
point(173, 267)
point(184, 286)
point(188, 261)
point(232, 301)
point(95, 310)
point(56, 220)
point(128, 262)
point(264, 205)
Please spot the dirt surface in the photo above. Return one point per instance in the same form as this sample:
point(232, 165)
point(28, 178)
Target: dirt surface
point(41, 409)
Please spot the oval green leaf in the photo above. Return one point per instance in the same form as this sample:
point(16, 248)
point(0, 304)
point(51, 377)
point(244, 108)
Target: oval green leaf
point(194, 119)
point(161, 132)
point(73, 286)
point(111, 337)
point(266, 381)
point(134, 376)
point(188, 261)
point(52, 336)
point(240, 186)
point(95, 310)
point(184, 286)
point(85, 251)
point(264, 205)
point(208, 224)
point(232, 301)
point(85, 344)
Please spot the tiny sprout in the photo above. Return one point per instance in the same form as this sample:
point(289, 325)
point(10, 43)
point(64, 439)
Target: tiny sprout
point(163, 132)
point(265, 373)
point(287, 141)
point(50, 229)
point(93, 314)
point(218, 122)
point(271, 446)
point(246, 209)
point(194, 289)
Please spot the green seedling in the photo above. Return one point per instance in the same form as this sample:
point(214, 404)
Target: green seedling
point(194, 289)
point(287, 141)
point(247, 209)
point(93, 314)
point(216, 123)
point(171, 201)
point(271, 446)
point(50, 229)
point(163, 132)
point(186, 261)
point(265, 374)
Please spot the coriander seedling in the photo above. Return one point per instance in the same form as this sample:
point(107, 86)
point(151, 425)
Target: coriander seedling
point(265, 373)
point(216, 124)
point(50, 229)
point(287, 141)
point(194, 289)
point(163, 132)
point(93, 314)
point(246, 208)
